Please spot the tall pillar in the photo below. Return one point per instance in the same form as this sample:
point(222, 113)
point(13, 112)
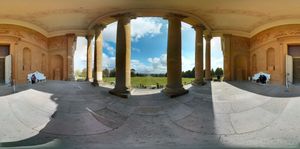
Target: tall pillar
point(123, 52)
point(71, 49)
point(208, 76)
point(98, 55)
point(199, 56)
point(174, 85)
point(89, 58)
point(226, 41)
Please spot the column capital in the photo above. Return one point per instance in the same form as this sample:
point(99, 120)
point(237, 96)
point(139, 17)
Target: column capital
point(207, 36)
point(89, 36)
point(126, 16)
point(198, 27)
point(99, 27)
point(174, 16)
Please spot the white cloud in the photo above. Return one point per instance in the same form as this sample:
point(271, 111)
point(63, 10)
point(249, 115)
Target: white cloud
point(110, 32)
point(110, 49)
point(216, 62)
point(159, 64)
point(136, 49)
point(185, 26)
point(140, 67)
point(145, 27)
point(187, 64)
point(140, 28)
point(108, 62)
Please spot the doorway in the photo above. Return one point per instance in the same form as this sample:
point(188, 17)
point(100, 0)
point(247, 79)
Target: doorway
point(294, 53)
point(296, 70)
point(4, 51)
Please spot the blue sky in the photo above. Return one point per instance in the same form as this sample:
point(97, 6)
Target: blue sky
point(148, 47)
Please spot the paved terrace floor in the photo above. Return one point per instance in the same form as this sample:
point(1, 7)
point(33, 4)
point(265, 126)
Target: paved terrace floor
point(61, 114)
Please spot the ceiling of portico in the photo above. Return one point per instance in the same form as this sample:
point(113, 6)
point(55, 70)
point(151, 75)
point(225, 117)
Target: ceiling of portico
point(244, 17)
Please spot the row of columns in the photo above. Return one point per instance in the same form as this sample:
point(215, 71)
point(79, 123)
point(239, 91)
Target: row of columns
point(174, 85)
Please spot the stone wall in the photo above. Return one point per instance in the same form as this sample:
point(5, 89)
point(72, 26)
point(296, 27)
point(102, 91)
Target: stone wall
point(32, 51)
point(236, 57)
point(270, 47)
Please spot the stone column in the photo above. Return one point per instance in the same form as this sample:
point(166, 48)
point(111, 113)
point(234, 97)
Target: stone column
point(199, 56)
point(89, 70)
point(98, 55)
point(71, 49)
point(226, 41)
point(174, 85)
point(208, 76)
point(123, 52)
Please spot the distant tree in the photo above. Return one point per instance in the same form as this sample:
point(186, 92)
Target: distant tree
point(133, 73)
point(219, 72)
point(112, 73)
point(105, 72)
point(212, 72)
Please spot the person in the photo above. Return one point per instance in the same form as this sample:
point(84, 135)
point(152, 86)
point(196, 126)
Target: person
point(33, 79)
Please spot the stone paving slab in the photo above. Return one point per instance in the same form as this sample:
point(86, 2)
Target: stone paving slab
point(62, 114)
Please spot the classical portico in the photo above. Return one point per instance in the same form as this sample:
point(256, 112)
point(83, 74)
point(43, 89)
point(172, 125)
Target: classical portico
point(122, 86)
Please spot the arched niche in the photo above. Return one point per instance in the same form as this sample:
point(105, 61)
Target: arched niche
point(57, 67)
point(270, 59)
point(254, 64)
point(240, 68)
point(26, 60)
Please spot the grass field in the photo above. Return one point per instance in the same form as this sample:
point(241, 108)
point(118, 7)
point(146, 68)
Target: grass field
point(148, 81)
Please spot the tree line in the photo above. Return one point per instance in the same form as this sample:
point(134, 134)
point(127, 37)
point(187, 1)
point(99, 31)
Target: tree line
point(185, 74)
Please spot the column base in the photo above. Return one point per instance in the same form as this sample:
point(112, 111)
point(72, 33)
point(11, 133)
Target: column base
point(208, 79)
point(174, 92)
point(97, 83)
point(121, 93)
point(198, 83)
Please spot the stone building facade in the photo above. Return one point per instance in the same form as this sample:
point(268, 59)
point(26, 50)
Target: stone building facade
point(31, 51)
point(264, 52)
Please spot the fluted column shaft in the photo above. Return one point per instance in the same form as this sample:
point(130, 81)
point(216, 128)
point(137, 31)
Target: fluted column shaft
point(123, 53)
point(199, 56)
point(174, 85)
point(208, 76)
point(98, 51)
point(89, 58)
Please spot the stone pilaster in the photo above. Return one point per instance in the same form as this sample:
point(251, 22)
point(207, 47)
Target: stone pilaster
point(123, 52)
point(98, 55)
point(199, 56)
point(174, 85)
point(71, 49)
point(208, 76)
point(89, 58)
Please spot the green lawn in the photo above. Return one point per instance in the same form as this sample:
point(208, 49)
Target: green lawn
point(148, 81)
